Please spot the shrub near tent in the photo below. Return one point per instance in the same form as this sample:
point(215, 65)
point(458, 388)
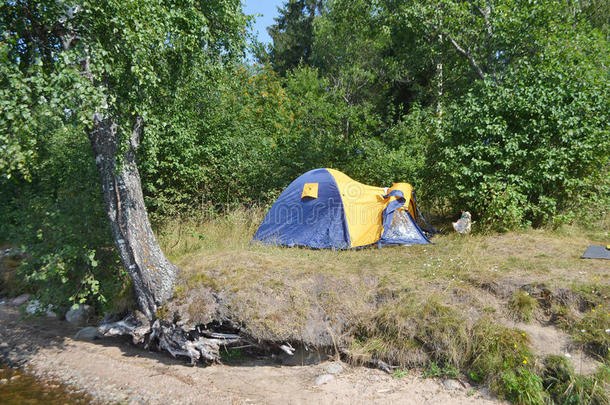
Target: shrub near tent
point(326, 209)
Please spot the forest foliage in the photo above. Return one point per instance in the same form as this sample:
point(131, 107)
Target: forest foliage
point(498, 107)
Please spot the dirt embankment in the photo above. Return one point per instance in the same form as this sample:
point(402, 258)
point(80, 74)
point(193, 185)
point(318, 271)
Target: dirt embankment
point(113, 370)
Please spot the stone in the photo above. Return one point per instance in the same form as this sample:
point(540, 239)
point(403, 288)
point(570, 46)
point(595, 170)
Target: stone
point(324, 378)
point(3, 381)
point(451, 384)
point(88, 333)
point(20, 300)
point(334, 368)
point(79, 315)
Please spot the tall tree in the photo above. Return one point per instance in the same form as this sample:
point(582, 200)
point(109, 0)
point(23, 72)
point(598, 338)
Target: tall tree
point(292, 34)
point(106, 63)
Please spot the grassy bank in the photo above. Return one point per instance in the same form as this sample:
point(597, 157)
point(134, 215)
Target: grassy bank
point(477, 305)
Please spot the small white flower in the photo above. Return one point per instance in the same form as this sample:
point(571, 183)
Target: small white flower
point(583, 330)
point(568, 355)
point(607, 330)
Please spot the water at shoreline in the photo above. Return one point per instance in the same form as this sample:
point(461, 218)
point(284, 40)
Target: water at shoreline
point(19, 388)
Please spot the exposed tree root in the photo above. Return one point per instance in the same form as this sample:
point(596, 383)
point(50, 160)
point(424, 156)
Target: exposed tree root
point(198, 343)
point(372, 362)
point(195, 342)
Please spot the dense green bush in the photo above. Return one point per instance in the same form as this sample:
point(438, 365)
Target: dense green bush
point(256, 132)
point(50, 198)
point(526, 150)
point(217, 151)
point(212, 151)
point(58, 221)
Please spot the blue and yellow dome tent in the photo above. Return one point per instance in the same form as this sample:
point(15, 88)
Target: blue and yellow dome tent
point(325, 209)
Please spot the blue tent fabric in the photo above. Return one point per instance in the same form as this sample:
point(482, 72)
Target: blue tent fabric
point(314, 222)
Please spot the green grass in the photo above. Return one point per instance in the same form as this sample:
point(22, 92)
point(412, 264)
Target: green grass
point(400, 373)
point(452, 304)
point(565, 387)
point(436, 371)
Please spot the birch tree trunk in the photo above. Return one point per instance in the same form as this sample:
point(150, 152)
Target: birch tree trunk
point(439, 89)
point(153, 275)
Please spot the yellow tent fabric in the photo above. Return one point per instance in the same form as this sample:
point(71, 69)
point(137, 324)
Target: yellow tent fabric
point(364, 205)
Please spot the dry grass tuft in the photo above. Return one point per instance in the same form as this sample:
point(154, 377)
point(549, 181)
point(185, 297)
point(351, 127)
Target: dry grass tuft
point(522, 305)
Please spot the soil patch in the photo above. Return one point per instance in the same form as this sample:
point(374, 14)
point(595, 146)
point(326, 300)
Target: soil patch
point(547, 340)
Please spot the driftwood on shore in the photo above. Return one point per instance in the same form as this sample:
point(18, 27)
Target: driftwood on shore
point(195, 342)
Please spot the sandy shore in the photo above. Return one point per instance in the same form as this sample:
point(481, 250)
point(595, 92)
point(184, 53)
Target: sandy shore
point(115, 371)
